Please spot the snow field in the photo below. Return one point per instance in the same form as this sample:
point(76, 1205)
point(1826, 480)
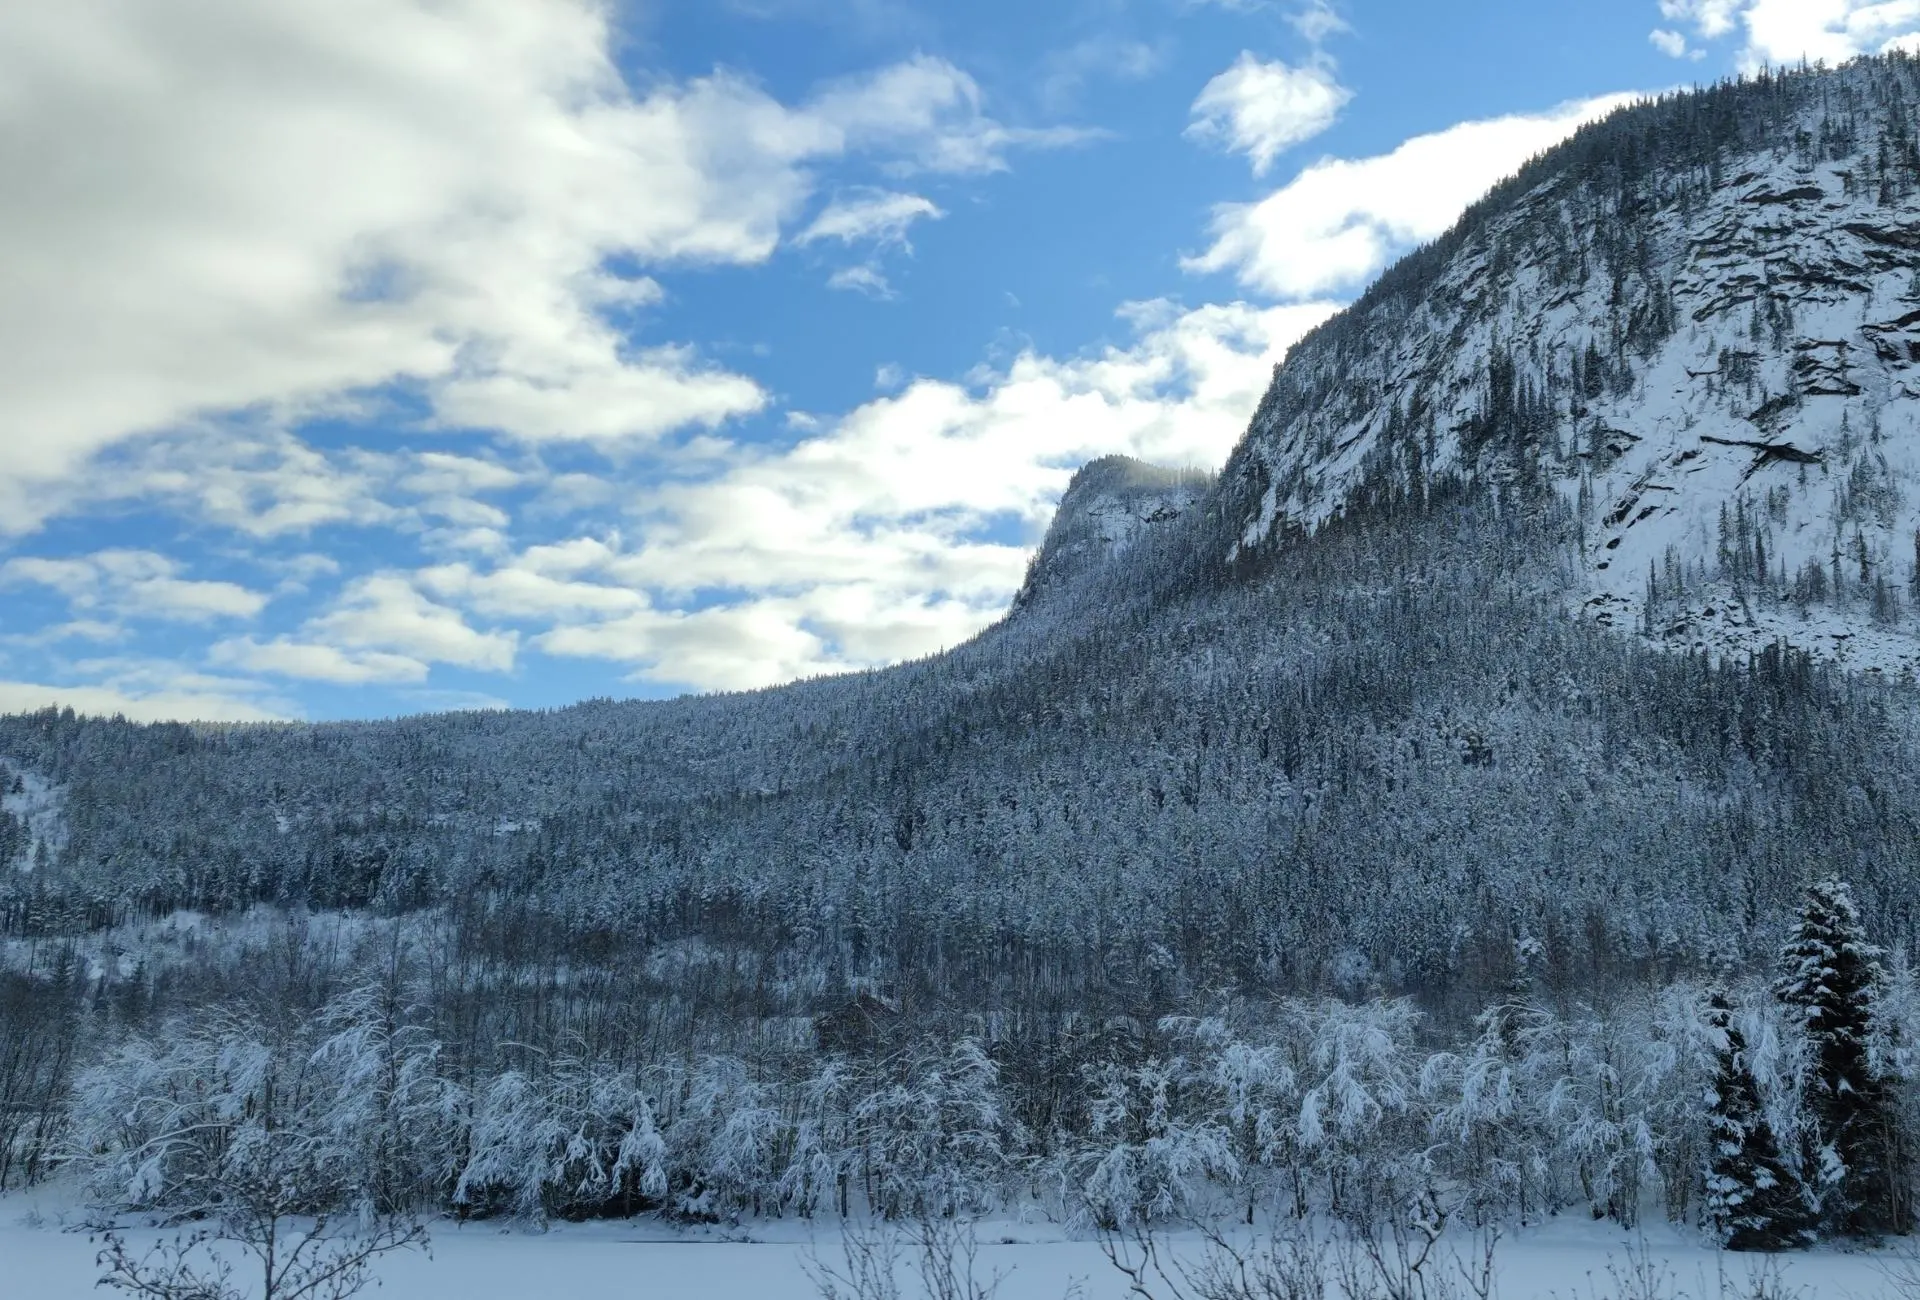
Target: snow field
point(1568, 1259)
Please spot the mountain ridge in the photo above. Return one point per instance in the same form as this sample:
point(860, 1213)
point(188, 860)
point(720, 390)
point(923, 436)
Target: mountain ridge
point(1108, 503)
point(1373, 752)
point(1711, 358)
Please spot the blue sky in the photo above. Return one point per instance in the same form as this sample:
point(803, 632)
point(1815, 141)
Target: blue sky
point(387, 355)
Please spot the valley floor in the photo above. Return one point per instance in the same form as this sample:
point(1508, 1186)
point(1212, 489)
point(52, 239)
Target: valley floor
point(42, 1260)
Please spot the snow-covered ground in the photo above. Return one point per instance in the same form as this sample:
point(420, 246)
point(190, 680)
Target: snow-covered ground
point(40, 1259)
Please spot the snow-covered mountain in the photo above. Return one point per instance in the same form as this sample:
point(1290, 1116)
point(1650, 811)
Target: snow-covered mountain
point(1700, 322)
point(1210, 750)
point(1107, 506)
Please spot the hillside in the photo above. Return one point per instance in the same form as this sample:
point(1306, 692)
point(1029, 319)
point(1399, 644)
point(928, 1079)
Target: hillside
point(1324, 723)
point(1698, 323)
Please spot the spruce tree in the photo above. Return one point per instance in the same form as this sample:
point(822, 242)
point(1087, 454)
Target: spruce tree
point(1830, 979)
point(1753, 1200)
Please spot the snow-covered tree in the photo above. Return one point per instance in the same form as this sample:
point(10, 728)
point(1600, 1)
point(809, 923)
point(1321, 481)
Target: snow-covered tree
point(1483, 1110)
point(1146, 1158)
point(931, 1135)
point(1753, 1201)
point(1830, 979)
point(571, 1140)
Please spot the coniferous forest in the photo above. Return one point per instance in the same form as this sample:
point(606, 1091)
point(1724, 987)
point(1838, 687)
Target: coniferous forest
point(1239, 870)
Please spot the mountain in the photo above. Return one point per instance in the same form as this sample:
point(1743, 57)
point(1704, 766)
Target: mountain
point(1699, 324)
point(1453, 673)
point(1108, 504)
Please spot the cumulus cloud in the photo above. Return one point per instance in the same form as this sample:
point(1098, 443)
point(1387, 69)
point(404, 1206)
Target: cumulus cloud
point(261, 483)
point(309, 661)
point(536, 587)
point(272, 206)
point(1342, 220)
point(381, 628)
point(1262, 109)
point(1784, 32)
point(1712, 19)
point(385, 612)
point(1671, 44)
point(133, 584)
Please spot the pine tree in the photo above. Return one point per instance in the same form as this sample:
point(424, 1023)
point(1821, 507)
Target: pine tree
point(1830, 979)
point(1753, 1200)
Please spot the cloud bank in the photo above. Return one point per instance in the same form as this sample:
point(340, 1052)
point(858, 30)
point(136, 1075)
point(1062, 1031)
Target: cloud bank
point(1782, 33)
point(1340, 221)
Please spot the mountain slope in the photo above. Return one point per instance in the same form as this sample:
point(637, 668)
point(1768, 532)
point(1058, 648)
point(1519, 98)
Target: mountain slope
point(1325, 725)
point(1107, 506)
point(1699, 322)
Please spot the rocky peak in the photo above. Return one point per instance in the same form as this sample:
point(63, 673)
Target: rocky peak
point(1699, 321)
point(1107, 506)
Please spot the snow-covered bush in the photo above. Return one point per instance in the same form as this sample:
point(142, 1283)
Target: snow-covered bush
point(574, 1140)
point(166, 1120)
point(1145, 1157)
point(729, 1138)
point(931, 1136)
point(1359, 1077)
point(383, 1101)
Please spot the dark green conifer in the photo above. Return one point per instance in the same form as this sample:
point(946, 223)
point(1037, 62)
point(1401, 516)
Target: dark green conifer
point(1753, 1200)
point(1830, 980)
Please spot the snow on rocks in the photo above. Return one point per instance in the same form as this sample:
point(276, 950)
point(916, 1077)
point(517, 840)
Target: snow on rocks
point(1718, 367)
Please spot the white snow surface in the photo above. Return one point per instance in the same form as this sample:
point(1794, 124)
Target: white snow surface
point(1837, 394)
point(44, 1257)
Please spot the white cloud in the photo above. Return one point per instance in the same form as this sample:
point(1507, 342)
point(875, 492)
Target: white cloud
point(308, 661)
point(385, 612)
point(864, 278)
point(878, 216)
point(1263, 109)
point(439, 474)
point(1712, 19)
point(148, 691)
point(77, 629)
point(261, 484)
point(1784, 32)
point(1317, 21)
point(929, 112)
point(267, 484)
point(1341, 221)
point(272, 206)
point(861, 544)
point(1671, 44)
point(134, 584)
point(380, 629)
point(529, 589)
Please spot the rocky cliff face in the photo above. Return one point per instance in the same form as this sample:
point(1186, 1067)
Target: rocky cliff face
point(1109, 504)
point(1700, 323)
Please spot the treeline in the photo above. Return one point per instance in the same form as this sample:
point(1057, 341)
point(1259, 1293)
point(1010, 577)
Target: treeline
point(1654, 1102)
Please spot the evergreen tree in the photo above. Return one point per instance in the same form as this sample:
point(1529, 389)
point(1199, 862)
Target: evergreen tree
point(1753, 1201)
point(1830, 979)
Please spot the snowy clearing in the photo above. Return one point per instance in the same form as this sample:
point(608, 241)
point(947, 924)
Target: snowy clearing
point(645, 1258)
